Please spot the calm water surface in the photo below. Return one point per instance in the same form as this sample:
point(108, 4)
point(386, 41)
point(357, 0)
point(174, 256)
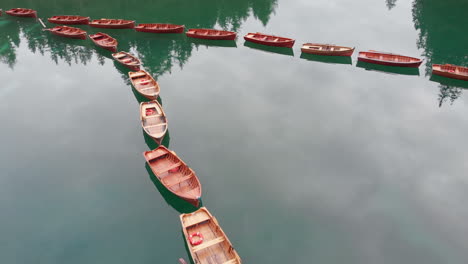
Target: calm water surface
point(302, 159)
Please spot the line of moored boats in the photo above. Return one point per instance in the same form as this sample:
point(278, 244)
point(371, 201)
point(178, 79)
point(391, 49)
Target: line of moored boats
point(107, 42)
point(205, 239)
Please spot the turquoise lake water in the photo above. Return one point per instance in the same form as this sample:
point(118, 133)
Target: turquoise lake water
point(302, 159)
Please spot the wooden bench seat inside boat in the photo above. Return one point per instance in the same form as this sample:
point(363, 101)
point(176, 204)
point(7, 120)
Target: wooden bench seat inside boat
point(207, 244)
point(147, 88)
point(120, 56)
point(174, 180)
point(171, 167)
point(156, 154)
point(197, 219)
point(231, 261)
point(156, 125)
point(138, 75)
point(154, 120)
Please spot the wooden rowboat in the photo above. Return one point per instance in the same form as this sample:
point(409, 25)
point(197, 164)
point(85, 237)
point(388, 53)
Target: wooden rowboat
point(104, 41)
point(21, 12)
point(388, 59)
point(145, 84)
point(174, 174)
point(269, 40)
point(68, 32)
point(205, 239)
point(69, 20)
point(450, 71)
point(326, 49)
point(112, 23)
point(153, 120)
point(213, 34)
point(127, 59)
point(160, 28)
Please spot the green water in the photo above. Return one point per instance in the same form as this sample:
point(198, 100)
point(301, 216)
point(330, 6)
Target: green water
point(302, 159)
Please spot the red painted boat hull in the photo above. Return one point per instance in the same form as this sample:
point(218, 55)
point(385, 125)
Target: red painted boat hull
point(62, 32)
point(69, 20)
point(451, 71)
point(269, 40)
point(377, 58)
point(343, 53)
point(127, 61)
point(106, 42)
point(113, 23)
point(212, 34)
point(160, 28)
point(21, 12)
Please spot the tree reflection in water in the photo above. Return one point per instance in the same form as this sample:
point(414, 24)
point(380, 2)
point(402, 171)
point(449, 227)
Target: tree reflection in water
point(158, 52)
point(442, 37)
point(391, 4)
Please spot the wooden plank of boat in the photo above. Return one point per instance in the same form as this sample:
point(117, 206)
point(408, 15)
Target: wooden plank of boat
point(269, 40)
point(160, 28)
point(213, 34)
point(68, 32)
point(127, 60)
point(112, 23)
point(69, 20)
point(104, 41)
point(205, 239)
point(145, 84)
point(450, 71)
point(22, 12)
point(326, 49)
point(153, 120)
point(388, 59)
point(174, 174)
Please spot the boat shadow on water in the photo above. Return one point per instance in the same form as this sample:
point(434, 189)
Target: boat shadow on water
point(327, 59)
point(271, 49)
point(152, 144)
point(388, 69)
point(103, 52)
point(449, 81)
point(171, 199)
point(213, 43)
point(123, 71)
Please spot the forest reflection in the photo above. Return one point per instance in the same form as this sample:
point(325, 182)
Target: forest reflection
point(158, 52)
point(441, 26)
point(390, 4)
point(443, 39)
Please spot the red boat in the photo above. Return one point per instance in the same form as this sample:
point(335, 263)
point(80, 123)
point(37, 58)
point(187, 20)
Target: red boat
point(326, 49)
point(127, 60)
point(269, 40)
point(160, 28)
point(112, 23)
point(388, 59)
point(69, 20)
point(21, 12)
point(450, 71)
point(174, 174)
point(68, 32)
point(214, 34)
point(104, 41)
